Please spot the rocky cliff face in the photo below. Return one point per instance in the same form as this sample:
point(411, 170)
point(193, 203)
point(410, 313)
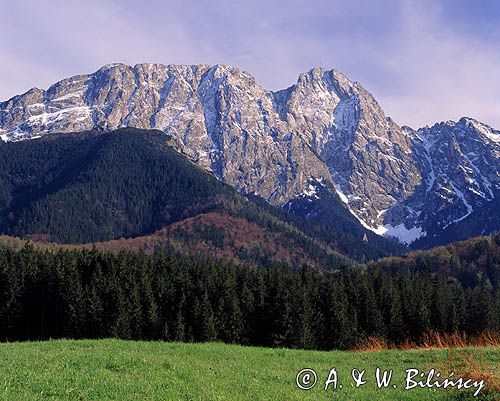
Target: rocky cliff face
point(461, 165)
point(368, 156)
point(218, 115)
point(325, 128)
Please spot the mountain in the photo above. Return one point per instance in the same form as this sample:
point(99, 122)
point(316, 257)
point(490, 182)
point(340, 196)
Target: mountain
point(131, 186)
point(462, 187)
point(472, 262)
point(415, 185)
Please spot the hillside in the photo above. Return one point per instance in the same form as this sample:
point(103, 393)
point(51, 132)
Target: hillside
point(215, 235)
point(88, 187)
point(474, 261)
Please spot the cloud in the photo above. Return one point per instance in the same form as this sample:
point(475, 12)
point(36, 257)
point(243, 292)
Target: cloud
point(420, 63)
point(441, 74)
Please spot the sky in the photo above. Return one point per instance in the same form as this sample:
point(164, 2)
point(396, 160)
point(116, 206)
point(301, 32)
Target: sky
point(424, 61)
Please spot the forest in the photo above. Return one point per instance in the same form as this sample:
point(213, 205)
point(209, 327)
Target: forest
point(94, 187)
point(211, 264)
point(93, 294)
point(467, 261)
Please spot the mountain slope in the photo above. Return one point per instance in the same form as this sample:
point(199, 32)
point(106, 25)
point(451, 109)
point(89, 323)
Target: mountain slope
point(462, 161)
point(325, 128)
point(473, 262)
point(97, 187)
point(218, 115)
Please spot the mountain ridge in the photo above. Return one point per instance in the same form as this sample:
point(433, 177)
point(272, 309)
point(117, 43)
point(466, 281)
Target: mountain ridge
point(272, 144)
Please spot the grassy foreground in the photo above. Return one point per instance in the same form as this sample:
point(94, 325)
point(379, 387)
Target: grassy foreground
point(143, 371)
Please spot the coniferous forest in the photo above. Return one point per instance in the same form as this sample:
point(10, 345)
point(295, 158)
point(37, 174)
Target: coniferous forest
point(92, 187)
point(212, 264)
point(92, 294)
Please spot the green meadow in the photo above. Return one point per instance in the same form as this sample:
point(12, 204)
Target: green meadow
point(127, 370)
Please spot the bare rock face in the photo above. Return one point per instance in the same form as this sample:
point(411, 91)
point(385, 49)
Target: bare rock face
point(367, 154)
point(461, 164)
point(395, 180)
point(217, 115)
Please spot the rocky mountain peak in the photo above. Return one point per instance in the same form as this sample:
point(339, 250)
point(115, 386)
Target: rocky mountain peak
point(396, 180)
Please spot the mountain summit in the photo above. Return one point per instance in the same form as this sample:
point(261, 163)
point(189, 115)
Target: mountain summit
point(324, 131)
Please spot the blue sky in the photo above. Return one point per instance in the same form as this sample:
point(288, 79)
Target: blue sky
point(424, 61)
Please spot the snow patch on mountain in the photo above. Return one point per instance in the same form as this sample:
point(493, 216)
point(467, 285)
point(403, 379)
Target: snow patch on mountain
point(484, 130)
point(398, 232)
point(341, 195)
point(467, 205)
point(311, 191)
point(401, 233)
point(82, 112)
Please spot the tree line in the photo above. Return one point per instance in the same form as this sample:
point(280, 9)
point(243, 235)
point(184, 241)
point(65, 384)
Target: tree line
point(93, 294)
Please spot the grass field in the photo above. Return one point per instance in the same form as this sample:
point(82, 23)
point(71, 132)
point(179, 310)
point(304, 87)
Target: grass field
point(123, 370)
